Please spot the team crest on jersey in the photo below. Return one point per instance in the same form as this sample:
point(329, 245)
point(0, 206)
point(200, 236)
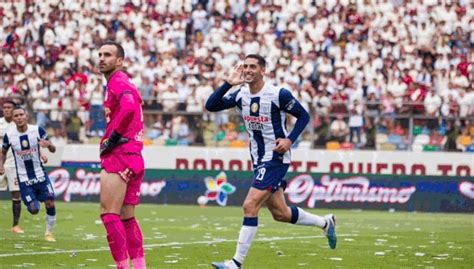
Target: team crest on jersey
point(254, 107)
point(24, 143)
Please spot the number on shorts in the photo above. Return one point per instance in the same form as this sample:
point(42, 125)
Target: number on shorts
point(261, 173)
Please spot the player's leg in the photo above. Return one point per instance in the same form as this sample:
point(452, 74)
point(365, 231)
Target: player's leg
point(251, 206)
point(295, 215)
point(16, 211)
point(262, 186)
point(10, 173)
point(50, 220)
point(112, 193)
point(9, 179)
point(134, 237)
point(132, 228)
point(28, 195)
point(45, 193)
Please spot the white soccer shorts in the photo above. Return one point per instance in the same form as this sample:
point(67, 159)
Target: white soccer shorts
point(9, 179)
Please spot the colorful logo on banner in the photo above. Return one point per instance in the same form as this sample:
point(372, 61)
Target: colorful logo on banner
point(218, 189)
point(85, 183)
point(353, 189)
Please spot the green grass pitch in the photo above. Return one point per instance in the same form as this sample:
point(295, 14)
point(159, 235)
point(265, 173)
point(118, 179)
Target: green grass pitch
point(193, 237)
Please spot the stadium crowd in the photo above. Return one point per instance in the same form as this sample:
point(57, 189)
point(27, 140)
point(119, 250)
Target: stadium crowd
point(386, 74)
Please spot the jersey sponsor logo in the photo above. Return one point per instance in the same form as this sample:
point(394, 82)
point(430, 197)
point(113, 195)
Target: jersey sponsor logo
point(255, 123)
point(34, 181)
point(255, 126)
point(256, 119)
point(26, 154)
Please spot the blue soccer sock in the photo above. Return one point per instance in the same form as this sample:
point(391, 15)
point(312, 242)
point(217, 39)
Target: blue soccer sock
point(246, 236)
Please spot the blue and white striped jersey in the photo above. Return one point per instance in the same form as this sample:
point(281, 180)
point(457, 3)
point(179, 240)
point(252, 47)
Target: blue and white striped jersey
point(264, 115)
point(26, 152)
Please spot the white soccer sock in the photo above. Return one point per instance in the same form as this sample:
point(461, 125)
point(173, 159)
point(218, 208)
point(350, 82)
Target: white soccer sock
point(50, 222)
point(308, 219)
point(246, 236)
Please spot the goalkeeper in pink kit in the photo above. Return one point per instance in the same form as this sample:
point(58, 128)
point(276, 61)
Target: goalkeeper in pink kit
point(121, 160)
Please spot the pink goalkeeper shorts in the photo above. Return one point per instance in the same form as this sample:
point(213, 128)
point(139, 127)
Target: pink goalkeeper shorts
point(131, 169)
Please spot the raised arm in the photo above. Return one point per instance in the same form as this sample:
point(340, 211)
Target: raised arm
point(217, 102)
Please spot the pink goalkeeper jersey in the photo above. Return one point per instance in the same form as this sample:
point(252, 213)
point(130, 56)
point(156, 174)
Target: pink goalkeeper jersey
point(123, 113)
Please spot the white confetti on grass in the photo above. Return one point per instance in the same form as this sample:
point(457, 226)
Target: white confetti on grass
point(91, 260)
point(90, 237)
point(335, 259)
point(379, 253)
point(302, 264)
point(349, 239)
point(440, 258)
point(381, 240)
point(458, 259)
point(172, 261)
point(419, 254)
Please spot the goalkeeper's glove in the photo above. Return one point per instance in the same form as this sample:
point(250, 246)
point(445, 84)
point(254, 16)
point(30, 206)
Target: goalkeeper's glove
point(114, 140)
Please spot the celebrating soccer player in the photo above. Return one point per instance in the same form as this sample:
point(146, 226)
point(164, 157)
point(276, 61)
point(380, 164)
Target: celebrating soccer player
point(121, 160)
point(25, 141)
point(9, 178)
point(263, 108)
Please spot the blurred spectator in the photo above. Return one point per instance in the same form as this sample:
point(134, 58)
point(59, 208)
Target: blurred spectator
point(73, 128)
point(97, 120)
point(356, 121)
point(338, 129)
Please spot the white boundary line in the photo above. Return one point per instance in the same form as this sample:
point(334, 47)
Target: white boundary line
point(265, 239)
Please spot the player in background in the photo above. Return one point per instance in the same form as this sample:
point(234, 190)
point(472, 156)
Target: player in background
point(9, 178)
point(121, 160)
point(264, 108)
point(25, 141)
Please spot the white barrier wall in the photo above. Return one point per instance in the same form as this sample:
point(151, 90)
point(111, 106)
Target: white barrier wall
point(318, 161)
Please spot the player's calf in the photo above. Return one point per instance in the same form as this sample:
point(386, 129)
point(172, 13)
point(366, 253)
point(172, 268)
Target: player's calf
point(135, 243)
point(50, 220)
point(116, 237)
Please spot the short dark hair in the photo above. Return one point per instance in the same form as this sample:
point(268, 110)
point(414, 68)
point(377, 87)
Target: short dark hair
point(9, 102)
point(260, 59)
point(120, 50)
point(19, 107)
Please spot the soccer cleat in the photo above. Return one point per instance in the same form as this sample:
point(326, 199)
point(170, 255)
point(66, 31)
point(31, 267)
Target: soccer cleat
point(225, 265)
point(330, 230)
point(48, 236)
point(17, 230)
